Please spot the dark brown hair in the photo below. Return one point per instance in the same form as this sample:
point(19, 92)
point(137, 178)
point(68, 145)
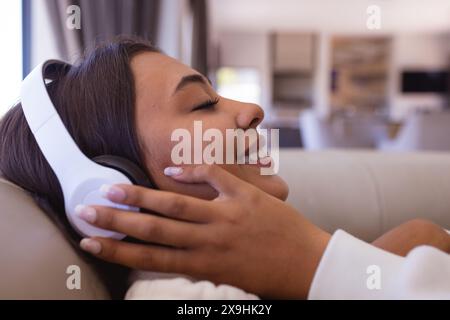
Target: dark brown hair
point(95, 99)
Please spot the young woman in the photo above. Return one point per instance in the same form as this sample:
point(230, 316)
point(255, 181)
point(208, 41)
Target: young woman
point(125, 98)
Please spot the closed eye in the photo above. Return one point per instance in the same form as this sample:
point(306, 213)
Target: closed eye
point(207, 104)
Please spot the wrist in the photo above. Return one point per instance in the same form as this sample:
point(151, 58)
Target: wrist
point(305, 264)
point(322, 238)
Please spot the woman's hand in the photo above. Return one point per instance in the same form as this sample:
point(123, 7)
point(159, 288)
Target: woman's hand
point(244, 237)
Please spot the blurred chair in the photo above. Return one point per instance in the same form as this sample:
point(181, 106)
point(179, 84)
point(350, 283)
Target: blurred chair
point(340, 132)
point(422, 131)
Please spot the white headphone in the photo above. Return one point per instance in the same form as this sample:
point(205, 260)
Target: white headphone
point(80, 178)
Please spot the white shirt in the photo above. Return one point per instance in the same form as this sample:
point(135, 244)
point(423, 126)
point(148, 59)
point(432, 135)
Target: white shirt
point(353, 269)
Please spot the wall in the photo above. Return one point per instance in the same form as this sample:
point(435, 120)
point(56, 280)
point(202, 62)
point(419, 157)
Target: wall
point(345, 16)
point(252, 49)
point(169, 39)
point(417, 28)
point(11, 55)
point(322, 79)
point(249, 50)
point(174, 34)
point(409, 50)
point(43, 45)
point(416, 51)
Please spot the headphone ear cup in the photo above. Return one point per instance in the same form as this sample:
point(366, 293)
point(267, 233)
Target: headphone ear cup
point(127, 167)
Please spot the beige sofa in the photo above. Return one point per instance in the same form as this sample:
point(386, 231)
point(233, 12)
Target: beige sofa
point(362, 192)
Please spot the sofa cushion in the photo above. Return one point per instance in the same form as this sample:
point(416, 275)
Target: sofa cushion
point(35, 255)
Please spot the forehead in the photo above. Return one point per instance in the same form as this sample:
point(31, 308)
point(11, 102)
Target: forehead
point(153, 70)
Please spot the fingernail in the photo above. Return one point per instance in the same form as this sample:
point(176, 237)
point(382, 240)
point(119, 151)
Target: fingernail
point(173, 171)
point(113, 193)
point(86, 213)
point(91, 246)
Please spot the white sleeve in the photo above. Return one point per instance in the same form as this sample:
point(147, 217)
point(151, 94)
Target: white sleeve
point(353, 269)
point(181, 288)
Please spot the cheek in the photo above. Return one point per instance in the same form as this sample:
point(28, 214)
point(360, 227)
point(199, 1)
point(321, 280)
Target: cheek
point(158, 149)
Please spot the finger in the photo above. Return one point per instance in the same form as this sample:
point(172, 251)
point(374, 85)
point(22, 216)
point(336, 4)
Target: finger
point(220, 179)
point(138, 256)
point(169, 204)
point(146, 227)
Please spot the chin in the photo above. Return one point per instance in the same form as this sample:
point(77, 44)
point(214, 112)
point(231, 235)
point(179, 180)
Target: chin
point(273, 185)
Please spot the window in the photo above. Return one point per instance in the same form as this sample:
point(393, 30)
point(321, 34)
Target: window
point(242, 84)
point(11, 53)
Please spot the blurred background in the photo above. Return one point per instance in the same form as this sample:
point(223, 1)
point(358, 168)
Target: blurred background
point(324, 72)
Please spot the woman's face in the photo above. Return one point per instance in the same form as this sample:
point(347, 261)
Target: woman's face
point(165, 102)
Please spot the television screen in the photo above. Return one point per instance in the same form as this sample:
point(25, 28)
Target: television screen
point(425, 82)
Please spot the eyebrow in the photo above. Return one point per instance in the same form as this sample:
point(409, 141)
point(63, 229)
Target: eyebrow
point(191, 78)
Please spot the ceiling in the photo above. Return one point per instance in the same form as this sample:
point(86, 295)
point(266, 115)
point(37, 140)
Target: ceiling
point(347, 16)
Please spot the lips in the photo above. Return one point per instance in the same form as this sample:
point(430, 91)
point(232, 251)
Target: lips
point(251, 153)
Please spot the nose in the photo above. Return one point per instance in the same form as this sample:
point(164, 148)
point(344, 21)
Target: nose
point(249, 116)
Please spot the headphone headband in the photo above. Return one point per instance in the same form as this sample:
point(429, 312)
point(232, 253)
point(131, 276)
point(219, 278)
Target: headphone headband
point(55, 142)
point(80, 178)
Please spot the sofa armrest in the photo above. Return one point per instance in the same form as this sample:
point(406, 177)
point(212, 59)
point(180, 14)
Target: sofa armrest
point(35, 255)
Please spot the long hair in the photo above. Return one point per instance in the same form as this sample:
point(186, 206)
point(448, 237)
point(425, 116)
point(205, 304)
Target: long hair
point(96, 102)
